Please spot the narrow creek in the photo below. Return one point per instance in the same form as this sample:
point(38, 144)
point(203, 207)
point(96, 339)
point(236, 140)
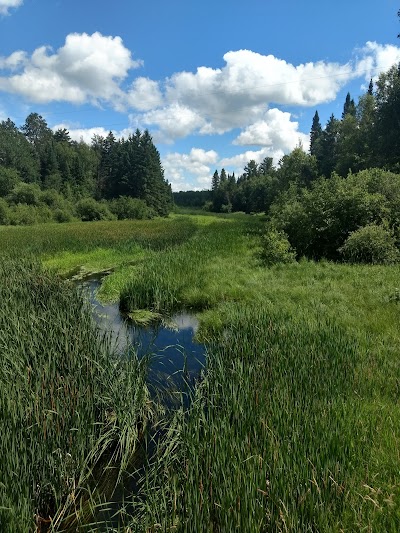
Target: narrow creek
point(176, 362)
point(176, 359)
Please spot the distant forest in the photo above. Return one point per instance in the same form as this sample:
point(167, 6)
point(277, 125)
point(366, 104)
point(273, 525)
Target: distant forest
point(46, 176)
point(367, 135)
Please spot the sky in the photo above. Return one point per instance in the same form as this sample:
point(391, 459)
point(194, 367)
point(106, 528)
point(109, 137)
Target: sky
point(217, 82)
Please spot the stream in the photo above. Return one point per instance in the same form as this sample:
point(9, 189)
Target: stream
point(176, 359)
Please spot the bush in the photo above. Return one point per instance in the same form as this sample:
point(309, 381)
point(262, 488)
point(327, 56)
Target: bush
point(23, 215)
point(370, 244)
point(25, 193)
point(88, 209)
point(52, 198)
point(8, 179)
point(276, 248)
point(62, 215)
point(4, 213)
point(126, 207)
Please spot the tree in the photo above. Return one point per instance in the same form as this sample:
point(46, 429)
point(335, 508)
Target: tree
point(349, 107)
point(62, 135)
point(266, 167)
point(348, 145)
point(17, 153)
point(9, 177)
point(388, 117)
point(215, 181)
point(250, 170)
point(366, 116)
point(297, 167)
point(315, 135)
point(36, 130)
point(327, 153)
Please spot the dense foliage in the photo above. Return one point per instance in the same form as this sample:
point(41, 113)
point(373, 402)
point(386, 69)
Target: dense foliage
point(349, 179)
point(45, 176)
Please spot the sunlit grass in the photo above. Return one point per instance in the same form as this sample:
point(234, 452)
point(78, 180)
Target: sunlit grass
point(70, 408)
point(295, 424)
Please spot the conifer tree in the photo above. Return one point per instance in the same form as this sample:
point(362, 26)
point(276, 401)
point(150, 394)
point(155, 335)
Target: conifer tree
point(349, 107)
point(315, 134)
point(215, 181)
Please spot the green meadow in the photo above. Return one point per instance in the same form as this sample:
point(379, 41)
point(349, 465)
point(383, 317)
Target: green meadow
point(294, 424)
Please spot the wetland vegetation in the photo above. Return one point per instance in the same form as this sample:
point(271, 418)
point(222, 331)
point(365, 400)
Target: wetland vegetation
point(294, 424)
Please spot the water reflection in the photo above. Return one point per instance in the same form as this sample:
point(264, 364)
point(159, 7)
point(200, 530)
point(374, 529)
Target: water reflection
point(176, 359)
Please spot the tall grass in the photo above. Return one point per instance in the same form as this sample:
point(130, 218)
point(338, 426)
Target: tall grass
point(69, 408)
point(281, 435)
point(186, 276)
point(294, 425)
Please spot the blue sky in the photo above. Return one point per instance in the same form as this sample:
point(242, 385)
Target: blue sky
point(217, 82)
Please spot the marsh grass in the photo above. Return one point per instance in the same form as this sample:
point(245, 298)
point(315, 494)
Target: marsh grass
point(294, 423)
point(70, 409)
point(288, 431)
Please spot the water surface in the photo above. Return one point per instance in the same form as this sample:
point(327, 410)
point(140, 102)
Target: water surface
point(175, 358)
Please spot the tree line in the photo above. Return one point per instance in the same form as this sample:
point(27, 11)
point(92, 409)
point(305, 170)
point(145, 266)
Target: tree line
point(366, 136)
point(46, 175)
point(339, 200)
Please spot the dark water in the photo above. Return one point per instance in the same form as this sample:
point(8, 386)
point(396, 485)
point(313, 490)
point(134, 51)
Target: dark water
point(176, 360)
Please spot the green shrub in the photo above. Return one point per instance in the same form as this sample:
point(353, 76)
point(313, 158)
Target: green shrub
point(4, 213)
point(52, 198)
point(370, 244)
point(62, 215)
point(23, 215)
point(126, 207)
point(8, 179)
point(25, 193)
point(276, 248)
point(88, 209)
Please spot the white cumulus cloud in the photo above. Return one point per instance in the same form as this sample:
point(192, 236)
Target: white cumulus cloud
point(174, 122)
point(86, 134)
point(239, 161)
point(275, 130)
point(376, 58)
point(190, 171)
point(239, 93)
point(88, 68)
point(144, 94)
point(6, 5)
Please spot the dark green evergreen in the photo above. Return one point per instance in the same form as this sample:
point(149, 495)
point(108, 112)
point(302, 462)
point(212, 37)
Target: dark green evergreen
point(315, 135)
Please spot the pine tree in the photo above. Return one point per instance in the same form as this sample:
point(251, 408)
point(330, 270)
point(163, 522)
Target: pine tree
point(327, 155)
point(215, 181)
point(349, 107)
point(315, 134)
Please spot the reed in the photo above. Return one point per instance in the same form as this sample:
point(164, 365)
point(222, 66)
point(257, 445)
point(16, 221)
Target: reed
point(70, 408)
point(293, 424)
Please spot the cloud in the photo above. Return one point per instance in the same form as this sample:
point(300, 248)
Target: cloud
point(274, 130)
point(174, 122)
point(86, 134)
point(238, 95)
point(5, 5)
point(376, 58)
point(88, 68)
point(190, 171)
point(239, 161)
point(240, 92)
point(144, 94)
point(13, 61)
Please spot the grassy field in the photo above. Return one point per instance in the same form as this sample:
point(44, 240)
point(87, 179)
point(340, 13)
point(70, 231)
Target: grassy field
point(295, 424)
